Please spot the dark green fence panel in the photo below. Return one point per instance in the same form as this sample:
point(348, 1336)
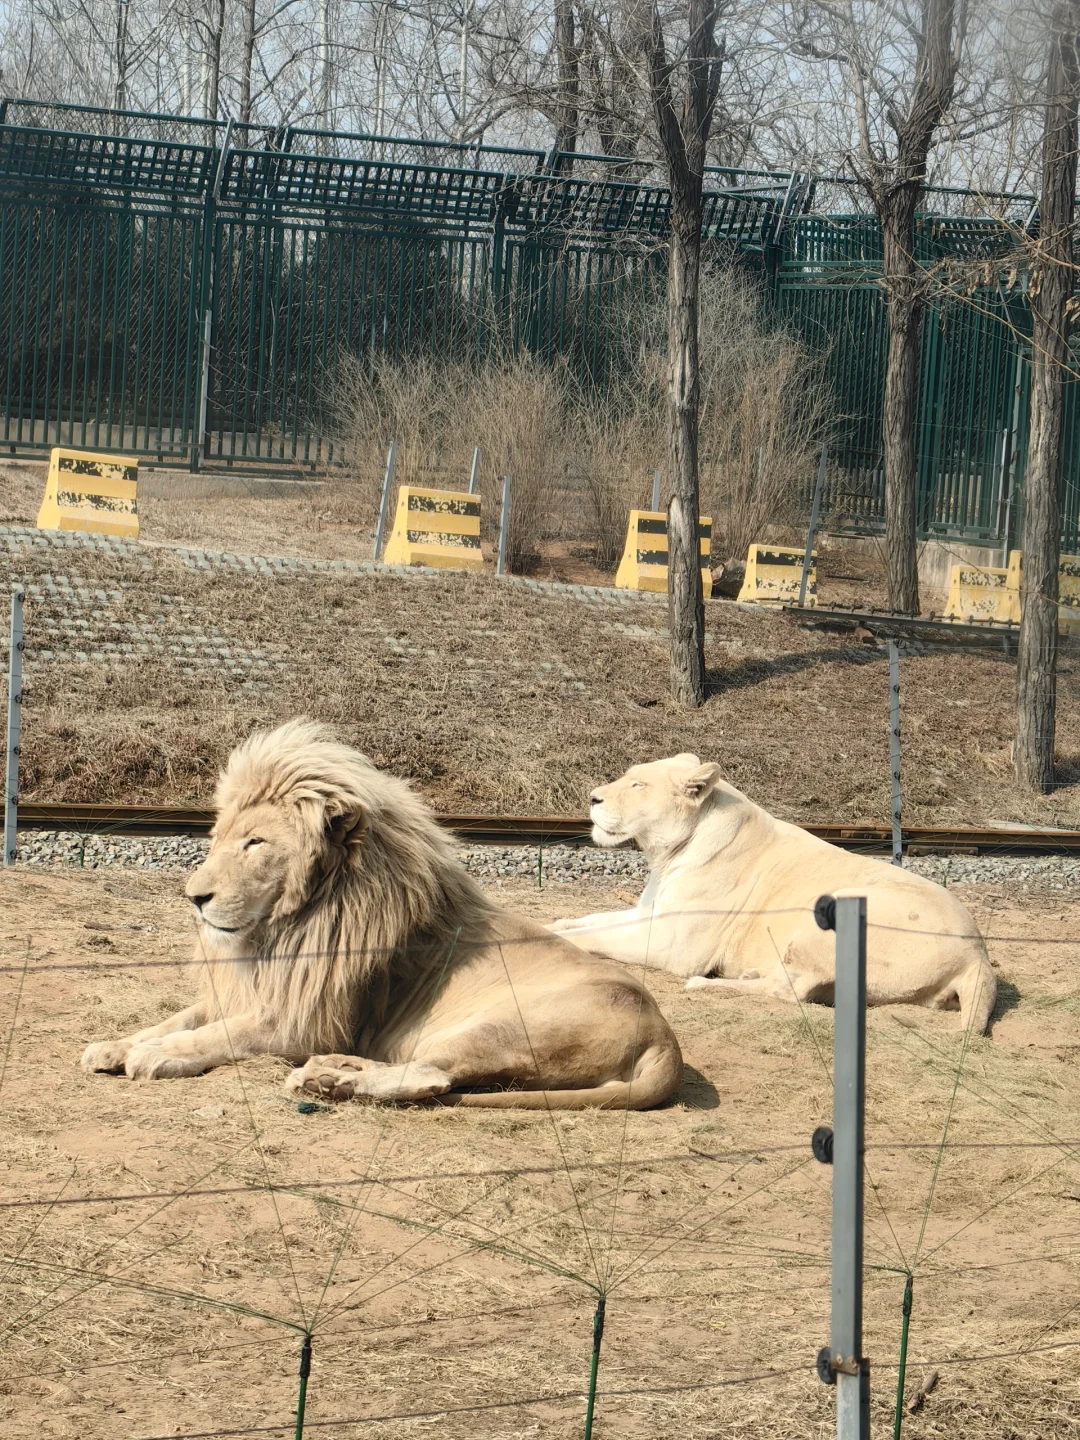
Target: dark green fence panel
point(292, 299)
point(98, 343)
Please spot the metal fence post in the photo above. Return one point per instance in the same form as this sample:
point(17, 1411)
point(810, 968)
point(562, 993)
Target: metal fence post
point(504, 526)
point(657, 476)
point(474, 472)
point(14, 725)
point(894, 753)
point(388, 480)
point(843, 1362)
point(815, 516)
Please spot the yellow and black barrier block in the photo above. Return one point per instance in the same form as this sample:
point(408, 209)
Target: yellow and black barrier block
point(1068, 590)
point(435, 527)
point(774, 576)
point(96, 493)
point(644, 564)
point(983, 594)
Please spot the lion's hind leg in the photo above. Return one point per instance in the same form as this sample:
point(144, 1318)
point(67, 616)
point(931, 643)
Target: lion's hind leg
point(349, 1077)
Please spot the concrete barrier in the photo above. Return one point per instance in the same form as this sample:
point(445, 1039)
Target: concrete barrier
point(773, 575)
point(644, 563)
point(982, 593)
point(95, 493)
point(1068, 590)
point(435, 527)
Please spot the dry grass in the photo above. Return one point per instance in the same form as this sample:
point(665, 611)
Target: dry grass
point(764, 410)
point(716, 1267)
point(495, 698)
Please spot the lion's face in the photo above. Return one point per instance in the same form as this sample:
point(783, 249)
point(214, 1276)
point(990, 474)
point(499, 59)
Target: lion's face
point(256, 859)
point(657, 804)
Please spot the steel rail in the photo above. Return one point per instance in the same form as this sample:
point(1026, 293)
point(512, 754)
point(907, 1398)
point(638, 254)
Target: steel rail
point(139, 820)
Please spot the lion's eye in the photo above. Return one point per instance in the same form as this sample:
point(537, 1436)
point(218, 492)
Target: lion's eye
point(637, 785)
point(252, 840)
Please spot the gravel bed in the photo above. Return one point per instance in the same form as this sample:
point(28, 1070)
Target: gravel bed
point(562, 864)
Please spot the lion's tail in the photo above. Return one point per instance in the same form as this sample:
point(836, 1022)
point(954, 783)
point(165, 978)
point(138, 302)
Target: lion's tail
point(657, 1076)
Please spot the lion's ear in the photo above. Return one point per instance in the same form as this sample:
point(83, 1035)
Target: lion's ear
point(347, 828)
point(701, 782)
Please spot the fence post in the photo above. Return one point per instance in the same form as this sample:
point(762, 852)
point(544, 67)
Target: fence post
point(202, 399)
point(843, 1363)
point(894, 753)
point(504, 526)
point(388, 480)
point(14, 719)
point(474, 472)
point(815, 516)
point(657, 476)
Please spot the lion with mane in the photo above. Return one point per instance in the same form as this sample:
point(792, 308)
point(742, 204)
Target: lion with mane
point(337, 929)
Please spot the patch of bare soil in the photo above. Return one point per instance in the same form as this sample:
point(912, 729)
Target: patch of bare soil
point(447, 1262)
point(495, 698)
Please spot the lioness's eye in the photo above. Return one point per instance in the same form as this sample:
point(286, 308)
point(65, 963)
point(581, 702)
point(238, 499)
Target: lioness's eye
point(253, 840)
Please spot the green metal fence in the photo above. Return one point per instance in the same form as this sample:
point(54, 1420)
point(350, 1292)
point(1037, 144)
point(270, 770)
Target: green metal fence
point(186, 290)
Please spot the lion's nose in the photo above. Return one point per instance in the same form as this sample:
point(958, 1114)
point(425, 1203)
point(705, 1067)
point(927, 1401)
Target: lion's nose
point(200, 900)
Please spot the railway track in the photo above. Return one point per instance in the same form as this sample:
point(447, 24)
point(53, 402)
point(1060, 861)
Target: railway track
point(135, 820)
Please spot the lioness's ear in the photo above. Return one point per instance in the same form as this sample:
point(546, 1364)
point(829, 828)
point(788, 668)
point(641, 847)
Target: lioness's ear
point(701, 782)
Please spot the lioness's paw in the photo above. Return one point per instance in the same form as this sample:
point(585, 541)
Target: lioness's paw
point(698, 982)
point(567, 923)
point(150, 1060)
point(107, 1055)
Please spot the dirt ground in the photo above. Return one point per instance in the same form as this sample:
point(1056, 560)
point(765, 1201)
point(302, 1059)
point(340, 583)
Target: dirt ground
point(494, 698)
point(448, 1261)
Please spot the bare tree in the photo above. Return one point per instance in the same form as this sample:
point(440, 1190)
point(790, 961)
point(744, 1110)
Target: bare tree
point(684, 136)
point(901, 63)
point(568, 53)
point(1053, 276)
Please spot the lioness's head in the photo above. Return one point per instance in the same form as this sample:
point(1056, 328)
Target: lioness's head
point(658, 804)
point(288, 808)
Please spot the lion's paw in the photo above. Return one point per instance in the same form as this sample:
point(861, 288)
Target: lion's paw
point(558, 926)
point(106, 1055)
point(324, 1076)
point(698, 982)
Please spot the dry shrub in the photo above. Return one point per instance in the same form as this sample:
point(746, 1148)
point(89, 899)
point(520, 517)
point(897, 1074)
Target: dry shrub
point(764, 406)
point(513, 407)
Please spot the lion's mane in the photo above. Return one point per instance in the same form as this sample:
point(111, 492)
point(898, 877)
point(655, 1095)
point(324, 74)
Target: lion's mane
point(376, 901)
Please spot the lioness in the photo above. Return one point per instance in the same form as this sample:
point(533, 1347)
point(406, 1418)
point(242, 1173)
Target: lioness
point(731, 893)
point(333, 914)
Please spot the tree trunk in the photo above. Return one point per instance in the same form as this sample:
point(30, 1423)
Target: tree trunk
point(904, 306)
point(686, 605)
point(247, 60)
point(1051, 288)
point(217, 32)
point(568, 54)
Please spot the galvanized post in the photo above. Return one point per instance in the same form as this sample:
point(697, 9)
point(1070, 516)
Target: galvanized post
point(815, 516)
point(504, 526)
point(657, 475)
point(475, 471)
point(388, 480)
point(894, 753)
point(843, 1362)
point(14, 725)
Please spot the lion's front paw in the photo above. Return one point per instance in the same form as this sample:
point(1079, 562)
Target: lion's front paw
point(107, 1055)
point(151, 1060)
point(698, 982)
point(558, 926)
